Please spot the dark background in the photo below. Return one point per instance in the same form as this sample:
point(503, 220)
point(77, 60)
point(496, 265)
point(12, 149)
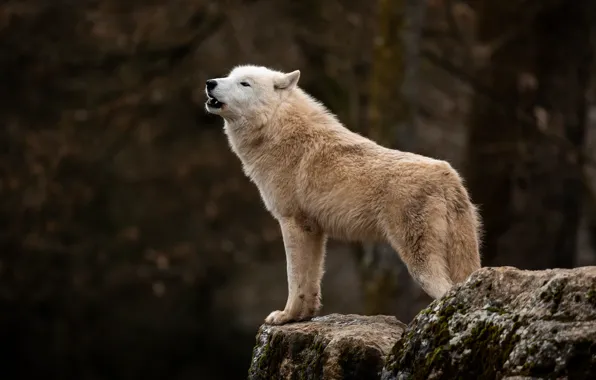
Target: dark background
point(133, 247)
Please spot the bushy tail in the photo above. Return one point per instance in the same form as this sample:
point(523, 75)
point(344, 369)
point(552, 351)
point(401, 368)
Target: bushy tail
point(464, 237)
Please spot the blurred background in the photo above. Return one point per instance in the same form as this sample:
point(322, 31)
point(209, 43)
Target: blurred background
point(133, 247)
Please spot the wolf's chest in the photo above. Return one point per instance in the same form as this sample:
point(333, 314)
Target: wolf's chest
point(275, 188)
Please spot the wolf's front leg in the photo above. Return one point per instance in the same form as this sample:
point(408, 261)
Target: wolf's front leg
point(305, 253)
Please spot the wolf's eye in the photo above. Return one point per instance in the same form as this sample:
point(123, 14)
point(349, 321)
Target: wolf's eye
point(245, 84)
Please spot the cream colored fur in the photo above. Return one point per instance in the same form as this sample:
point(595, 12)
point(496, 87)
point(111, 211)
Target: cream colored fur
point(319, 180)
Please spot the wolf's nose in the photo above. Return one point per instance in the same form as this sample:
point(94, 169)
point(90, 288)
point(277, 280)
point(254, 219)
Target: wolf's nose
point(211, 83)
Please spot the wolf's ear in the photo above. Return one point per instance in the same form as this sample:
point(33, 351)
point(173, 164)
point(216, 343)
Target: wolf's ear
point(287, 81)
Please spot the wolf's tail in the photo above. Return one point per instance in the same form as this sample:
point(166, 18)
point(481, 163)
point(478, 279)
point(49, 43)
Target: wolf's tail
point(465, 234)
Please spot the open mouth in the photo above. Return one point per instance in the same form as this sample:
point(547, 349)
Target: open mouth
point(212, 102)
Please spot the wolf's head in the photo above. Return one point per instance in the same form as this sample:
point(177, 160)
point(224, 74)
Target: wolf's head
point(248, 91)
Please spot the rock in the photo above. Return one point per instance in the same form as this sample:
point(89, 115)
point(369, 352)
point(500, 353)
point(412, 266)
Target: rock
point(330, 347)
point(504, 323)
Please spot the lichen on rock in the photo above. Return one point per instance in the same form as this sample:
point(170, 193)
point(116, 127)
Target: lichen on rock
point(504, 323)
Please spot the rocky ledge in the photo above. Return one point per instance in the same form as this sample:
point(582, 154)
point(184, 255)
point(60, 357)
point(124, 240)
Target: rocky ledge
point(330, 347)
point(502, 323)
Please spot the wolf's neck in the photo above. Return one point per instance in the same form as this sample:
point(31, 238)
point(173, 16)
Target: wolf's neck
point(299, 115)
point(245, 137)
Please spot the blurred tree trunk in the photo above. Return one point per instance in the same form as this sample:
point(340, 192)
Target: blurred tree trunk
point(387, 106)
point(524, 169)
point(388, 287)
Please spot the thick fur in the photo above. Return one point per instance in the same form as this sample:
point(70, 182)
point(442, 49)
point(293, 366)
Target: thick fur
point(319, 180)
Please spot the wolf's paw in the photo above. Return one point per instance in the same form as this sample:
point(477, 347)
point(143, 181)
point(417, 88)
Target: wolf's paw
point(279, 317)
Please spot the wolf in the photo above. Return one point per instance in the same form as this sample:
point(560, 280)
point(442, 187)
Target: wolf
point(320, 180)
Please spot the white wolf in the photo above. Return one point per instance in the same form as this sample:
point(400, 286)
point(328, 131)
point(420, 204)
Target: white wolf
point(319, 180)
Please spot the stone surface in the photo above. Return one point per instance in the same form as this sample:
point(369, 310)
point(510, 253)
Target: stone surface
point(330, 347)
point(504, 323)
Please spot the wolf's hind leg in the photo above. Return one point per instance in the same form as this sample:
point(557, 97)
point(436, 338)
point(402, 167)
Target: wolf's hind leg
point(421, 242)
